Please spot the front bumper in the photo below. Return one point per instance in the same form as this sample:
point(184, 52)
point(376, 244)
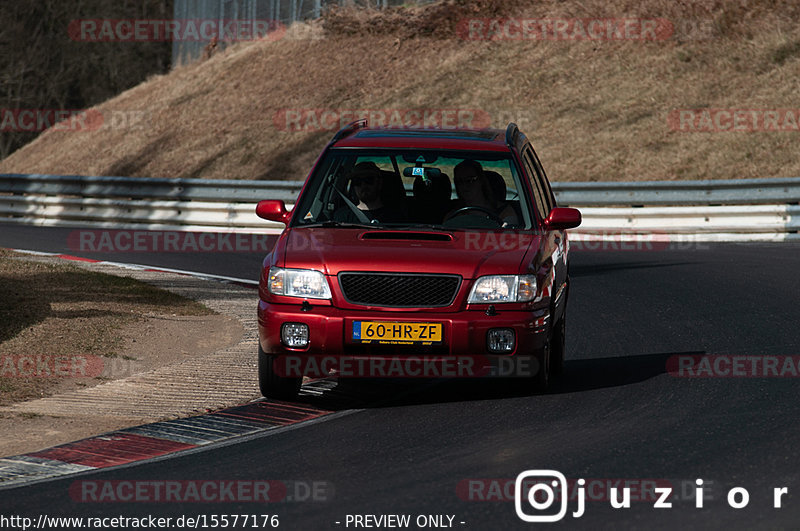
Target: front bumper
point(464, 333)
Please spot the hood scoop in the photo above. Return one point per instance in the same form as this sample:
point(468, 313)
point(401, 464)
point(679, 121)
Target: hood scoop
point(408, 235)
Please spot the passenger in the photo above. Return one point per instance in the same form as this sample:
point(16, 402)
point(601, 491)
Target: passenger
point(475, 190)
point(367, 183)
point(499, 189)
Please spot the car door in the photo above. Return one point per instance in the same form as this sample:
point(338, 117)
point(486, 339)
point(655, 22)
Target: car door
point(555, 247)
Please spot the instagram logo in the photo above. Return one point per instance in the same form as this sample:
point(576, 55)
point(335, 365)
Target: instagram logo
point(541, 488)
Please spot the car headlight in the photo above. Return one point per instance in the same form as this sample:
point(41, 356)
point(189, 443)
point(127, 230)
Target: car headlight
point(305, 283)
point(503, 288)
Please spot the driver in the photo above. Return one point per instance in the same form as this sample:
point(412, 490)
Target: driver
point(367, 183)
point(475, 190)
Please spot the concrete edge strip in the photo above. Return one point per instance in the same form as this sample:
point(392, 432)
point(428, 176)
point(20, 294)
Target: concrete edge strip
point(158, 439)
point(51, 470)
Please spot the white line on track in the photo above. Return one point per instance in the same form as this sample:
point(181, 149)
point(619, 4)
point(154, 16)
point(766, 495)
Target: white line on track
point(141, 267)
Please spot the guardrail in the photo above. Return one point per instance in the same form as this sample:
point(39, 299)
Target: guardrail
point(127, 202)
point(701, 193)
point(212, 190)
point(730, 210)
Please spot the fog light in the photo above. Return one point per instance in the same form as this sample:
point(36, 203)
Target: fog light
point(500, 340)
point(294, 335)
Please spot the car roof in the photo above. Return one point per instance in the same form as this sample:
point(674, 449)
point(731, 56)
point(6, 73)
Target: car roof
point(466, 139)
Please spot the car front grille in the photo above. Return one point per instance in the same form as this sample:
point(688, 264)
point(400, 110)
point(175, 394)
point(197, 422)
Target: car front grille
point(399, 290)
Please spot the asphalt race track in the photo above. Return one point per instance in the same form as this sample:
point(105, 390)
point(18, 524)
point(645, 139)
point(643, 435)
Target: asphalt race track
point(454, 447)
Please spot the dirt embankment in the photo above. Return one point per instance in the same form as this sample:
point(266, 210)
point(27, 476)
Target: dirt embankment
point(598, 109)
point(64, 329)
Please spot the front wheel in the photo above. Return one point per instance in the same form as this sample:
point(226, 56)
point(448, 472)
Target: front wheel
point(273, 385)
point(558, 347)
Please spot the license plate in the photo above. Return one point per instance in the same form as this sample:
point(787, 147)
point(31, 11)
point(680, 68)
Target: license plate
point(394, 333)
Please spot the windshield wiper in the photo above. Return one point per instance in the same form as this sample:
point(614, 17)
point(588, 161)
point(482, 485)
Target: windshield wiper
point(421, 226)
point(333, 223)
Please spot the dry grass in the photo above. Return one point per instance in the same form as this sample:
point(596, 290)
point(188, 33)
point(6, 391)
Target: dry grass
point(49, 311)
point(596, 110)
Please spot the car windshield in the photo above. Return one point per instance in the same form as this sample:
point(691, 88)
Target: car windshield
point(414, 188)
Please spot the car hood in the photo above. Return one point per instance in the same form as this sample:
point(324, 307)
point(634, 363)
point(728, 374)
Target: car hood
point(469, 254)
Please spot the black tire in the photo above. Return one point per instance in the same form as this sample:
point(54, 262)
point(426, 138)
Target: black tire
point(558, 347)
point(541, 379)
point(271, 384)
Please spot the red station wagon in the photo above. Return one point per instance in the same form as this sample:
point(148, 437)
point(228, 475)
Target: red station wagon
point(416, 244)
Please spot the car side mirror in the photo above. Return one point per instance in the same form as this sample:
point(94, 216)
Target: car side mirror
point(273, 210)
point(562, 218)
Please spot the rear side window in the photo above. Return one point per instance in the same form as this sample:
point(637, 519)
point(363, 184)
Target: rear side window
point(539, 194)
point(548, 191)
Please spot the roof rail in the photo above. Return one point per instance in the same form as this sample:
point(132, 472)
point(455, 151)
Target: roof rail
point(349, 129)
point(512, 132)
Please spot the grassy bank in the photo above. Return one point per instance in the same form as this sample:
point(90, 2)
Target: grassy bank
point(596, 109)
